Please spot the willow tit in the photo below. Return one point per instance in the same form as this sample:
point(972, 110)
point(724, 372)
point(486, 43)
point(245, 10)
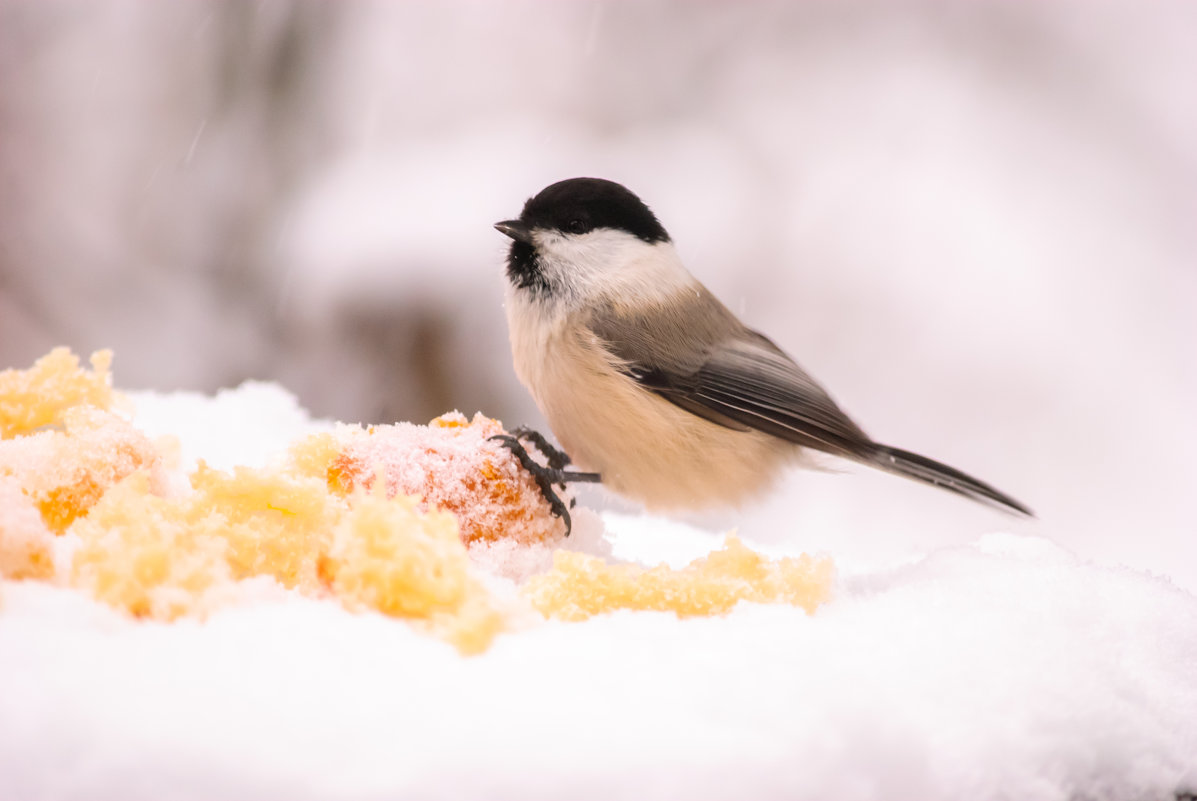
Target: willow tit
point(646, 378)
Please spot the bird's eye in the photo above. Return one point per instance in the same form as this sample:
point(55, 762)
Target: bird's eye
point(577, 227)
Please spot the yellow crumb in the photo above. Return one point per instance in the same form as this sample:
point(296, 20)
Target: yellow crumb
point(313, 455)
point(137, 552)
point(164, 558)
point(37, 397)
point(389, 556)
point(579, 586)
point(275, 524)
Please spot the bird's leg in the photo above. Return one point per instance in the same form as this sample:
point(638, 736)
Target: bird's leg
point(558, 458)
point(546, 477)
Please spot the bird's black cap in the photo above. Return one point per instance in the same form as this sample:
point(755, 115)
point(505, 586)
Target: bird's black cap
point(579, 205)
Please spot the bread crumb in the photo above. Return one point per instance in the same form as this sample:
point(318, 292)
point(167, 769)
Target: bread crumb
point(580, 586)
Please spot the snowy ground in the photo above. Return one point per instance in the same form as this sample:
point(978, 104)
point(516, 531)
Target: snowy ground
point(1001, 667)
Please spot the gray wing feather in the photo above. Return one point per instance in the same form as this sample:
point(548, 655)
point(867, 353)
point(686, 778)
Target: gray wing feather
point(728, 374)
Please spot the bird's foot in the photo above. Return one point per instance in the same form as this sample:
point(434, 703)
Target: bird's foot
point(546, 477)
point(558, 459)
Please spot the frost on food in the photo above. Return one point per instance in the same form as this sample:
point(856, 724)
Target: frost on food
point(26, 545)
point(376, 519)
point(61, 450)
point(64, 472)
point(70, 465)
point(451, 464)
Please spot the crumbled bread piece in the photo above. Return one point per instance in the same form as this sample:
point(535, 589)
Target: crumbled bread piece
point(164, 558)
point(38, 397)
point(139, 553)
point(389, 556)
point(579, 586)
point(276, 524)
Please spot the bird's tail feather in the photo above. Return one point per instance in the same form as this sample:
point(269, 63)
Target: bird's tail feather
point(911, 465)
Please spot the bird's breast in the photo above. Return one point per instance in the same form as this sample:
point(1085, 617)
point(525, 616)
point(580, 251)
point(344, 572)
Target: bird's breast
point(644, 446)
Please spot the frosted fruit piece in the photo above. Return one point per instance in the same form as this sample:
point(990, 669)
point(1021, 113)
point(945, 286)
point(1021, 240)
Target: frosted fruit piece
point(66, 472)
point(26, 545)
point(450, 464)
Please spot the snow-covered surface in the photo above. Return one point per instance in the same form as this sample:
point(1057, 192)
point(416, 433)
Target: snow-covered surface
point(267, 418)
point(1001, 667)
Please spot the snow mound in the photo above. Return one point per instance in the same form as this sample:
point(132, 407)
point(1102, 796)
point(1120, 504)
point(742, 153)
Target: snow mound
point(1004, 669)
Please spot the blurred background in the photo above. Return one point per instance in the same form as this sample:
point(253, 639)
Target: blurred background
point(976, 224)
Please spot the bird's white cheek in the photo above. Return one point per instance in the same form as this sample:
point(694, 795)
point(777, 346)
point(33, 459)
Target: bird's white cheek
point(607, 264)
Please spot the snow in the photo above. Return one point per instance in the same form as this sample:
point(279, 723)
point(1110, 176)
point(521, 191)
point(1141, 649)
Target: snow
point(1002, 666)
point(269, 416)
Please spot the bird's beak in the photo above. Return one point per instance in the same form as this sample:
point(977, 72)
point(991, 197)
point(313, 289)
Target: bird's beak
point(515, 229)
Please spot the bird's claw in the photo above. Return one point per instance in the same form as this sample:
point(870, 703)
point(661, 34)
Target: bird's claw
point(546, 477)
point(557, 458)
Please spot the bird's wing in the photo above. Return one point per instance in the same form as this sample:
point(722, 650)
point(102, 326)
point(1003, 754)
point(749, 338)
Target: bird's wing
point(729, 375)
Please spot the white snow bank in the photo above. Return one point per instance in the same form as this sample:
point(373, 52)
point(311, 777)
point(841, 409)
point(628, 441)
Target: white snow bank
point(243, 426)
point(1007, 668)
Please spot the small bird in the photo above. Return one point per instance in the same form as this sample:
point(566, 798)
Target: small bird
point(648, 380)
